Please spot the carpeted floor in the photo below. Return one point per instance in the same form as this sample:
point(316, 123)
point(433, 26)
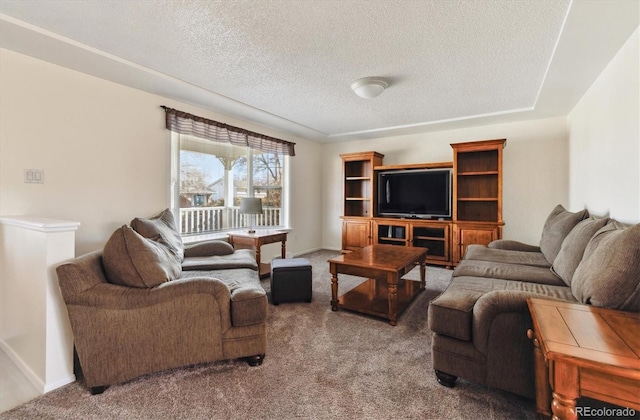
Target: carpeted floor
point(319, 365)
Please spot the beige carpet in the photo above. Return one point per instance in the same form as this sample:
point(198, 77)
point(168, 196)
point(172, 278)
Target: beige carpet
point(319, 365)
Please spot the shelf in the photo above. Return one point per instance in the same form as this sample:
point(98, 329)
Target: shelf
point(372, 297)
point(433, 165)
point(357, 169)
point(428, 238)
point(479, 186)
point(477, 173)
point(392, 241)
point(479, 210)
point(391, 233)
point(357, 199)
point(478, 199)
point(356, 187)
point(357, 207)
point(471, 161)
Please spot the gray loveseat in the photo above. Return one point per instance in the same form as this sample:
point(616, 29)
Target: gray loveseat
point(147, 303)
point(479, 322)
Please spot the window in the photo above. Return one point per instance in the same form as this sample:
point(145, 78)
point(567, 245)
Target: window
point(209, 179)
point(214, 165)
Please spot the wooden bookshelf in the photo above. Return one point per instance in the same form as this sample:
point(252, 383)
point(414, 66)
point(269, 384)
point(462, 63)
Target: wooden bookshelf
point(477, 194)
point(476, 202)
point(358, 198)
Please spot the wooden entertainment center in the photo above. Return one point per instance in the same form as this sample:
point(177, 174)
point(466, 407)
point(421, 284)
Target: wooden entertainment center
point(476, 204)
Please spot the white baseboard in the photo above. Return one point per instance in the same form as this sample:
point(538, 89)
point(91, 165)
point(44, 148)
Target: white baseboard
point(320, 248)
point(60, 383)
point(35, 380)
point(31, 376)
point(297, 254)
point(331, 248)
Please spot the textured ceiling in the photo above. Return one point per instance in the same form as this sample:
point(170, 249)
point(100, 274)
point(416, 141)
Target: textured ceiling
point(288, 64)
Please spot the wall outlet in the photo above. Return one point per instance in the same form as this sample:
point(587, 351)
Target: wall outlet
point(34, 176)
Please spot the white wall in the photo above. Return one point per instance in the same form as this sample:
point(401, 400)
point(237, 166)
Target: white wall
point(105, 152)
point(34, 327)
point(604, 140)
point(535, 170)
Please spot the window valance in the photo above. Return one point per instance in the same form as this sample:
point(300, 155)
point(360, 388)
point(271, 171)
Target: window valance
point(185, 123)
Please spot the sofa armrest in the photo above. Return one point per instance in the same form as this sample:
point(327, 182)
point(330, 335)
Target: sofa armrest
point(112, 296)
point(493, 304)
point(510, 245)
point(107, 296)
point(248, 306)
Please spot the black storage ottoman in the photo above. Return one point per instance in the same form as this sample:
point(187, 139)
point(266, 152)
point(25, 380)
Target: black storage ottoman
point(290, 280)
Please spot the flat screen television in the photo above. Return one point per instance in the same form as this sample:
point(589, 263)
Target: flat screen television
point(415, 193)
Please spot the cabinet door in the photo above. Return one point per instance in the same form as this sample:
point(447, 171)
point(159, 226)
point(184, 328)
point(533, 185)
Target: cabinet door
point(469, 235)
point(390, 233)
point(356, 234)
point(435, 237)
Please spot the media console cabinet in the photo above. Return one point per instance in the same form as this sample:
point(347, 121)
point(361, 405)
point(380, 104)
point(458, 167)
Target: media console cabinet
point(476, 204)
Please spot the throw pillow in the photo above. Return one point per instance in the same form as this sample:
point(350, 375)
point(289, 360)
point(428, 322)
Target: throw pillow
point(134, 261)
point(164, 225)
point(557, 226)
point(573, 247)
point(609, 274)
point(208, 249)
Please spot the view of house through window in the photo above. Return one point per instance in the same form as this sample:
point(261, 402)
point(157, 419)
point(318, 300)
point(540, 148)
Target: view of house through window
point(211, 178)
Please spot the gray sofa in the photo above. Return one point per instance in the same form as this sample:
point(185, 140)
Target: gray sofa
point(479, 322)
point(146, 303)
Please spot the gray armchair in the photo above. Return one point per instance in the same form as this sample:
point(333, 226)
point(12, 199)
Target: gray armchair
point(132, 312)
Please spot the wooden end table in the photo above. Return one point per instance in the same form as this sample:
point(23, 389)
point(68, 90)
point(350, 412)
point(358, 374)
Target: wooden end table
point(246, 240)
point(581, 350)
point(383, 266)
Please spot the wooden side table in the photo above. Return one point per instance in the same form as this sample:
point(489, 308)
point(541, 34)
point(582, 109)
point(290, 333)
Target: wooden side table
point(581, 350)
point(244, 240)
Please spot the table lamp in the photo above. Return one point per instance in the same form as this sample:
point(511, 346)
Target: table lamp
point(251, 206)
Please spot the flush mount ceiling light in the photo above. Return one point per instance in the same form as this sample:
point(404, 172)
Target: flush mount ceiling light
point(369, 87)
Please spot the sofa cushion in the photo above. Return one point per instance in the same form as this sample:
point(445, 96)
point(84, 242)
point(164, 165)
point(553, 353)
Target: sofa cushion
point(240, 258)
point(163, 224)
point(573, 247)
point(609, 274)
point(505, 271)
point(132, 260)
point(557, 226)
point(248, 299)
point(484, 253)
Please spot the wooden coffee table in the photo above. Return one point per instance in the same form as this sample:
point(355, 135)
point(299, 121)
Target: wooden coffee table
point(581, 350)
point(384, 294)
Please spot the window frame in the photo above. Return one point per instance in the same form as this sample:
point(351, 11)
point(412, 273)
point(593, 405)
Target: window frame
point(174, 190)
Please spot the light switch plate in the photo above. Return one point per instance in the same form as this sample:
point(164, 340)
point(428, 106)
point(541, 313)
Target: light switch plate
point(34, 176)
